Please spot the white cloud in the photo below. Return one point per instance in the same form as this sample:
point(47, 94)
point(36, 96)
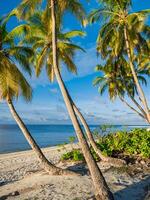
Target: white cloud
point(54, 90)
point(96, 111)
point(100, 110)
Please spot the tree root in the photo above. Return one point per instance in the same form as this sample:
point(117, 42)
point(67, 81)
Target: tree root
point(114, 161)
point(56, 171)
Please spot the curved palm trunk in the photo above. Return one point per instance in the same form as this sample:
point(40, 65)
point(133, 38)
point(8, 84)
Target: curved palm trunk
point(141, 93)
point(0, 39)
point(112, 161)
point(124, 101)
point(138, 105)
point(101, 188)
point(49, 167)
point(143, 113)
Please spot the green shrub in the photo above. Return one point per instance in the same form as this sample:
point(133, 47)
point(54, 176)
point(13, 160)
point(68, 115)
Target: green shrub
point(74, 155)
point(72, 139)
point(135, 142)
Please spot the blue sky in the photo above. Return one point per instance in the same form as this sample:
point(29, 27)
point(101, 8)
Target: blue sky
point(47, 106)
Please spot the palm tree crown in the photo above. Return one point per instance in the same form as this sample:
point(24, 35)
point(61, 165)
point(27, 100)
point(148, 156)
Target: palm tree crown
point(37, 33)
point(12, 80)
point(117, 78)
point(27, 8)
point(117, 15)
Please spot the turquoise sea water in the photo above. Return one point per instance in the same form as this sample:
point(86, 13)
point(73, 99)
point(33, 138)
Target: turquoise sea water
point(12, 140)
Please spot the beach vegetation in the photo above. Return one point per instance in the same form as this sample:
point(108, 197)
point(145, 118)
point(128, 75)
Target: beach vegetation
point(134, 143)
point(72, 140)
point(73, 155)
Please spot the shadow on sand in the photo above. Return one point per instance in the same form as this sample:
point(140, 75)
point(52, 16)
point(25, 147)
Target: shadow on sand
point(136, 191)
point(79, 168)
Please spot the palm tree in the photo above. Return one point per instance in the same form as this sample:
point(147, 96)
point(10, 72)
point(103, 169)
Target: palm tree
point(37, 33)
point(123, 33)
point(102, 190)
point(13, 84)
point(118, 80)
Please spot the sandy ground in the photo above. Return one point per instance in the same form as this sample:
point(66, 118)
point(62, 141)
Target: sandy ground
point(22, 178)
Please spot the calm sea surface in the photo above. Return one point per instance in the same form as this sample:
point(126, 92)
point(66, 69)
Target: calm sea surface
point(12, 140)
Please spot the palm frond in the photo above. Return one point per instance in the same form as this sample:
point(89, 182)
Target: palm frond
point(27, 8)
point(73, 33)
point(98, 80)
point(67, 60)
point(102, 88)
point(41, 60)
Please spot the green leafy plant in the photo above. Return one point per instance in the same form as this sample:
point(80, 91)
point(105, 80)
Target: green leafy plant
point(74, 155)
point(72, 140)
point(132, 143)
point(135, 142)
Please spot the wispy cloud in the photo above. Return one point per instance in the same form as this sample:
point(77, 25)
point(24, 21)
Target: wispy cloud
point(54, 90)
point(56, 113)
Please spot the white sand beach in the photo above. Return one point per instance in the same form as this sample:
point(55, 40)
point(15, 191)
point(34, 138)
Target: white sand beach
point(22, 178)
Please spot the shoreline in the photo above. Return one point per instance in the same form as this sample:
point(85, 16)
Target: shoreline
point(44, 149)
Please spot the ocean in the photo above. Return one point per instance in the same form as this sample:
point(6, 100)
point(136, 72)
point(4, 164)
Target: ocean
point(12, 139)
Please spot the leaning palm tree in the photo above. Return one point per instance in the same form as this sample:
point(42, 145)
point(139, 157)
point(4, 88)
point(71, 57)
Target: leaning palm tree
point(13, 84)
point(102, 190)
point(124, 33)
point(101, 187)
point(115, 76)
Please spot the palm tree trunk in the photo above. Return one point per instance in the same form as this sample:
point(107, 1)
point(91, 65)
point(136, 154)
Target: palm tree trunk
point(140, 108)
point(101, 188)
point(134, 101)
point(124, 101)
point(49, 167)
point(0, 39)
point(139, 88)
point(112, 161)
